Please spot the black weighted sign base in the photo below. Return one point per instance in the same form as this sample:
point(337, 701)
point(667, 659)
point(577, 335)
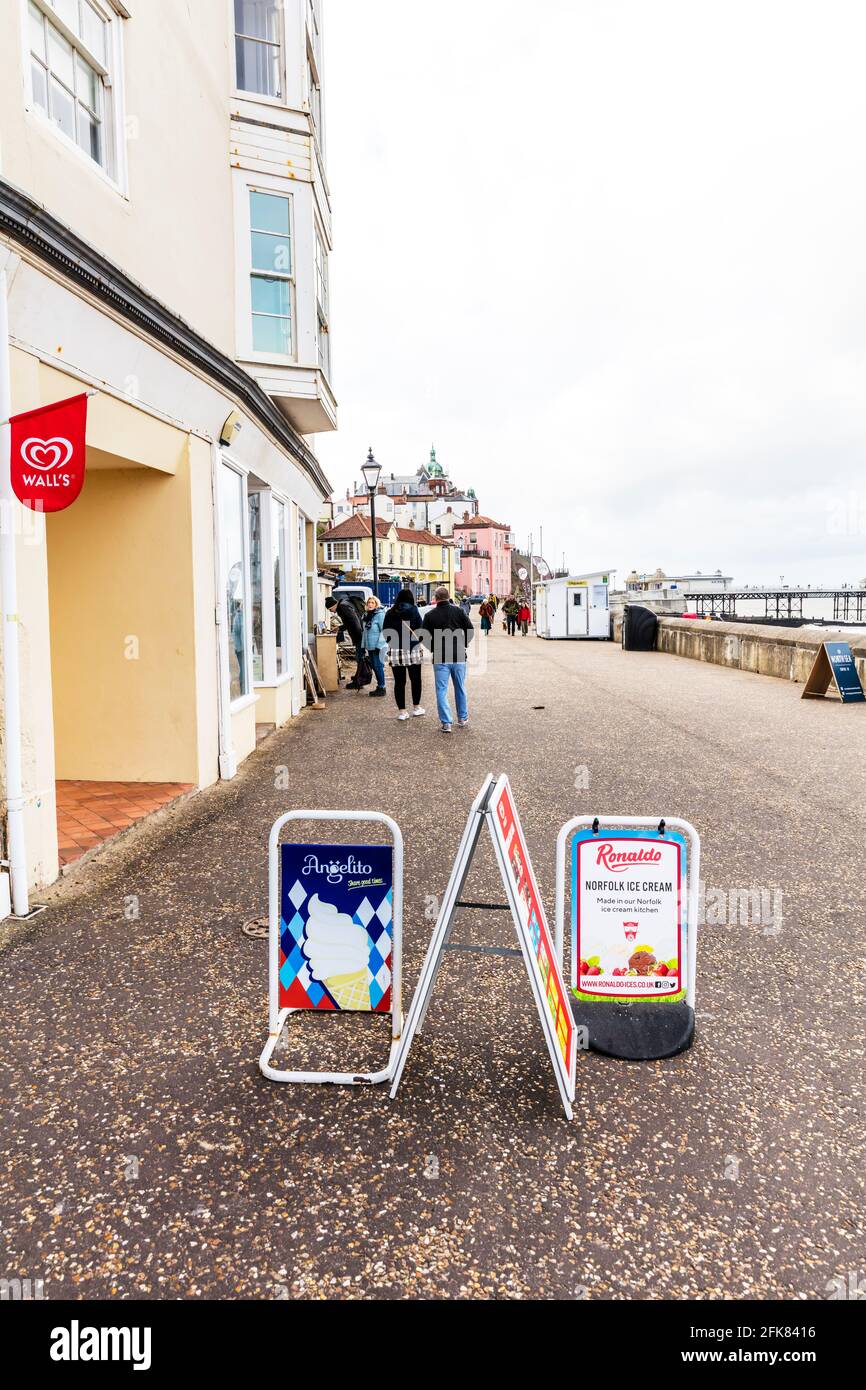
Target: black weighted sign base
point(643, 1031)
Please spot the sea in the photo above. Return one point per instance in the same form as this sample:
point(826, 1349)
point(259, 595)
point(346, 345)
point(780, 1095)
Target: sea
point(817, 613)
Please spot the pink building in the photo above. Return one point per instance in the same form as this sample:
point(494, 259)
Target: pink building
point(485, 564)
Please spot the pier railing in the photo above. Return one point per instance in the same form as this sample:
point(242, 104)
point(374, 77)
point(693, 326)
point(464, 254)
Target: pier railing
point(849, 605)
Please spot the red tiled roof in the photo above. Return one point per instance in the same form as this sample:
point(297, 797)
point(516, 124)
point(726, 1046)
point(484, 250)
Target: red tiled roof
point(414, 533)
point(355, 528)
point(481, 521)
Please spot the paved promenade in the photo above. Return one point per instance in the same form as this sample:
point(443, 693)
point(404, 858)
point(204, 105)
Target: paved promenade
point(143, 1155)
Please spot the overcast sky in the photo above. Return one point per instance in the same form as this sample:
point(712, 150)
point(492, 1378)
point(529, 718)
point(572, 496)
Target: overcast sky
point(608, 255)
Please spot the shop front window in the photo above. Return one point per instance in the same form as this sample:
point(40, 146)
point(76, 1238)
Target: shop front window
point(278, 551)
point(257, 616)
point(232, 519)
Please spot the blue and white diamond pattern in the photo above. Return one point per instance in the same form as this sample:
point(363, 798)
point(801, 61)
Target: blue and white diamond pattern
point(297, 893)
point(364, 913)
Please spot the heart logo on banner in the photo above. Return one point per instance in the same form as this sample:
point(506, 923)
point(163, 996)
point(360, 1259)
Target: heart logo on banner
point(46, 454)
point(47, 469)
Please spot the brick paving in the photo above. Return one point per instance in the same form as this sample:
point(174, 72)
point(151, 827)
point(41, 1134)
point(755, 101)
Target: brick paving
point(89, 813)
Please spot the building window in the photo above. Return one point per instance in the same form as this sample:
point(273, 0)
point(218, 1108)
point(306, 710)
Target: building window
point(323, 338)
point(315, 102)
point(444, 557)
point(279, 527)
point(341, 550)
point(234, 569)
point(70, 74)
point(258, 57)
point(313, 29)
point(271, 282)
point(257, 616)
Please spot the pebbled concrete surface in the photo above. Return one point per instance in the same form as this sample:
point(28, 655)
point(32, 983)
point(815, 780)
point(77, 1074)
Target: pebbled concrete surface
point(142, 1155)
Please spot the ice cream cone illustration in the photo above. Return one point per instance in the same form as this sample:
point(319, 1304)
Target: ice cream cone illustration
point(337, 950)
point(350, 991)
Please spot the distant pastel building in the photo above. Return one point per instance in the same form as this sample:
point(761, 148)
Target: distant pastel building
point(426, 499)
point(485, 555)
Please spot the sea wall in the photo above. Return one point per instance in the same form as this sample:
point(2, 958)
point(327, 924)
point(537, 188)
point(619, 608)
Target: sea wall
point(786, 653)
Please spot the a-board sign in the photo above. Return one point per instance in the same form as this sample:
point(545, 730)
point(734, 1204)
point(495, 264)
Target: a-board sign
point(336, 913)
point(335, 937)
point(834, 662)
point(634, 920)
point(628, 937)
point(531, 923)
point(494, 807)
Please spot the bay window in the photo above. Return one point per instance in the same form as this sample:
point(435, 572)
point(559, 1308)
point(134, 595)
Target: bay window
point(271, 274)
point(323, 339)
point(258, 47)
point(71, 82)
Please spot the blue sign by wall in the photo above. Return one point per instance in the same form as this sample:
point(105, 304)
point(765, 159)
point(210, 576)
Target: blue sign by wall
point(844, 671)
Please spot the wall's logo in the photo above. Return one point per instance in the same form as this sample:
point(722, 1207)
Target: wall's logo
point(49, 453)
point(46, 454)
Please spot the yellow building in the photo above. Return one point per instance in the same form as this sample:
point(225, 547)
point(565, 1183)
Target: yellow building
point(165, 228)
point(416, 557)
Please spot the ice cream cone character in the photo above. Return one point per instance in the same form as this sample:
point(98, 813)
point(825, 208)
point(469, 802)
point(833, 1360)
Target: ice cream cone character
point(338, 950)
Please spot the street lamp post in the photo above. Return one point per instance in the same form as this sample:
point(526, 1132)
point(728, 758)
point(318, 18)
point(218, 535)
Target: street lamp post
point(371, 470)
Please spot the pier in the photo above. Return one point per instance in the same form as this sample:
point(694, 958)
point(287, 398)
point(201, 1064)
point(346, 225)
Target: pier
point(849, 605)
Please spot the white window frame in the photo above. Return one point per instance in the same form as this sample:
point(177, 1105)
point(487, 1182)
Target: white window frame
point(314, 95)
point(245, 295)
point(322, 310)
point(285, 589)
point(242, 92)
point(270, 546)
point(114, 171)
point(247, 697)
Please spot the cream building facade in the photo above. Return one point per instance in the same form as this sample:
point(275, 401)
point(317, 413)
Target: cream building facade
point(165, 228)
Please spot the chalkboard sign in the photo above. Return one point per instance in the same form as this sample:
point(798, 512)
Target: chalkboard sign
point(834, 661)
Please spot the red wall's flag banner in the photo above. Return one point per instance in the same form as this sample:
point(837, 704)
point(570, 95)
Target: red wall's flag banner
point(47, 454)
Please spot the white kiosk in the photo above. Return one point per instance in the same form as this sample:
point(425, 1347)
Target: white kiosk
point(574, 606)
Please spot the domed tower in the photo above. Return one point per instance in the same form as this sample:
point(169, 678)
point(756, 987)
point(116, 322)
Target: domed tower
point(436, 474)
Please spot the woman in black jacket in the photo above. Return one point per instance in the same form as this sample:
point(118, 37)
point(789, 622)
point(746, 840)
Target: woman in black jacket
point(401, 629)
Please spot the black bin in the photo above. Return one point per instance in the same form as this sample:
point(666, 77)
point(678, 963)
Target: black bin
point(639, 628)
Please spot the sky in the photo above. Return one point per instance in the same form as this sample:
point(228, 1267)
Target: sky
point(608, 255)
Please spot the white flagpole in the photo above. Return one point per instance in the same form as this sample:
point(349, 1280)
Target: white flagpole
point(16, 846)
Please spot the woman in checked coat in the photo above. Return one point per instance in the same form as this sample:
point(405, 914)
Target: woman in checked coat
point(402, 630)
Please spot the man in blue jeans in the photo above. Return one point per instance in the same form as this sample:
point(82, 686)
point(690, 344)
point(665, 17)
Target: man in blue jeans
point(448, 632)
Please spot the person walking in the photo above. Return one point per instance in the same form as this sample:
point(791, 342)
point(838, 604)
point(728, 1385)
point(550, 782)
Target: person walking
point(347, 613)
point(524, 617)
point(402, 631)
point(511, 608)
point(449, 633)
point(466, 605)
point(487, 612)
point(374, 642)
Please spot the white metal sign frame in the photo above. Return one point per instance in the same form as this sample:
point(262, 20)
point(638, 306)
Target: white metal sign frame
point(276, 1016)
point(480, 814)
point(693, 872)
